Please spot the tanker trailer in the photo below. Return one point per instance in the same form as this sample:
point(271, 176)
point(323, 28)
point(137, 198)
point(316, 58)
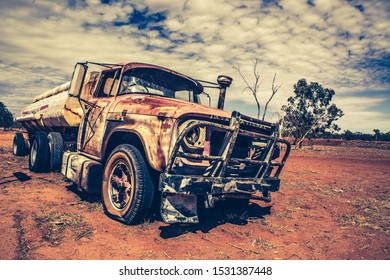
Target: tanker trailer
point(51, 122)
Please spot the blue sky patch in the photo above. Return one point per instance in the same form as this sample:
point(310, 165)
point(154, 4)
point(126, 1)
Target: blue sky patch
point(272, 3)
point(144, 19)
point(310, 3)
point(360, 8)
point(378, 68)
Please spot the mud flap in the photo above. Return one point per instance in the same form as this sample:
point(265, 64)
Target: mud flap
point(179, 208)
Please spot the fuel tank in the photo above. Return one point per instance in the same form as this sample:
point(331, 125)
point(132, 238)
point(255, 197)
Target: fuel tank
point(55, 109)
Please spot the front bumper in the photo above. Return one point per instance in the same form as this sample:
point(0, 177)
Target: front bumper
point(186, 185)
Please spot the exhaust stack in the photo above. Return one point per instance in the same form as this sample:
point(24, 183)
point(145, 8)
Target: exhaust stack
point(223, 82)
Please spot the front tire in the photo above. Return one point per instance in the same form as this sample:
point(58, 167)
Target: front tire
point(39, 153)
point(127, 190)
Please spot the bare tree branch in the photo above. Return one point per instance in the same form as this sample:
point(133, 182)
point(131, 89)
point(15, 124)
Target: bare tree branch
point(237, 68)
point(274, 91)
point(257, 82)
point(254, 88)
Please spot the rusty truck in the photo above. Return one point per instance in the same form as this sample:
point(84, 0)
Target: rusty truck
point(141, 134)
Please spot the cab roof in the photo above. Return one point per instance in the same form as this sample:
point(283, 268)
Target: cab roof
point(162, 73)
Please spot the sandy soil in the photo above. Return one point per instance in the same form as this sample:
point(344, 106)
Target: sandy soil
point(333, 204)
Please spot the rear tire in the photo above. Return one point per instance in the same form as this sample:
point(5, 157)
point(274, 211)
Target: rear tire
point(56, 150)
point(39, 153)
point(127, 189)
point(19, 145)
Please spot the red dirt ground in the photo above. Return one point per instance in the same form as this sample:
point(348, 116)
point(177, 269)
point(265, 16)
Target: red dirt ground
point(333, 204)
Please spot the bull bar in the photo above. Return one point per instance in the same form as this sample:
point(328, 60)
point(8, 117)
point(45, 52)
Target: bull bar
point(213, 181)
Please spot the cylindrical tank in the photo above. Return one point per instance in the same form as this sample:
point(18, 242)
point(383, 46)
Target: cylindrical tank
point(55, 110)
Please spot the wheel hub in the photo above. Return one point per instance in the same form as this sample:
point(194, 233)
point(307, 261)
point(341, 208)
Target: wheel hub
point(120, 185)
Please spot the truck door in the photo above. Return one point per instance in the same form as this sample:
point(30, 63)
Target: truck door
point(94, 122)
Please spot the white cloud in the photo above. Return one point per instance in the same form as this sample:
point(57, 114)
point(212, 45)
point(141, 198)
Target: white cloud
point(364, 121)
point(204, 38)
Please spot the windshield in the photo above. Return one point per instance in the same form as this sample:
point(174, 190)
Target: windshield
point(158, 82)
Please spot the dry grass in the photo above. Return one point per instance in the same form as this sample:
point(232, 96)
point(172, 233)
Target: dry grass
point(357, 220)
point(285, 214)
point(148, 255)
point(147, 224)
point(375, 214)
point(372, 205)
point(23, 244)
point(272, 227)
point(222, 256)
point(54, 224)
point(297, 203)
point(92, 205)
point(237, 217)
point(330, 191)
point(263, 244)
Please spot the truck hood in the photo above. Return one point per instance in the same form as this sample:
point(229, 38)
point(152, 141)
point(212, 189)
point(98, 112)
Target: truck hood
point(167, 107)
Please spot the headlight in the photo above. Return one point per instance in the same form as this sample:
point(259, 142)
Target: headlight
point(194, 139)
point(192, 136)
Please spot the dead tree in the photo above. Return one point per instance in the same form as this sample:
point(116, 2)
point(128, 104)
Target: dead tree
point(256, 84)
point(274, 91)
point(254, 88)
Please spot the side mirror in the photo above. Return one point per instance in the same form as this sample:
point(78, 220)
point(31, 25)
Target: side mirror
point(80, 70)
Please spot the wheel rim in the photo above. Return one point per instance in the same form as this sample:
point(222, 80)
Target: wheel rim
point(33, 154)
point(120, 185)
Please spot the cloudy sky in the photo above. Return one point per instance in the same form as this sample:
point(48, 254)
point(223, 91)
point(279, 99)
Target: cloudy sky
point(342, 44)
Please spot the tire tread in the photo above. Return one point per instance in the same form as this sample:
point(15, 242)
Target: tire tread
point(57, 149)
point(19, 145)
point(42, 158)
